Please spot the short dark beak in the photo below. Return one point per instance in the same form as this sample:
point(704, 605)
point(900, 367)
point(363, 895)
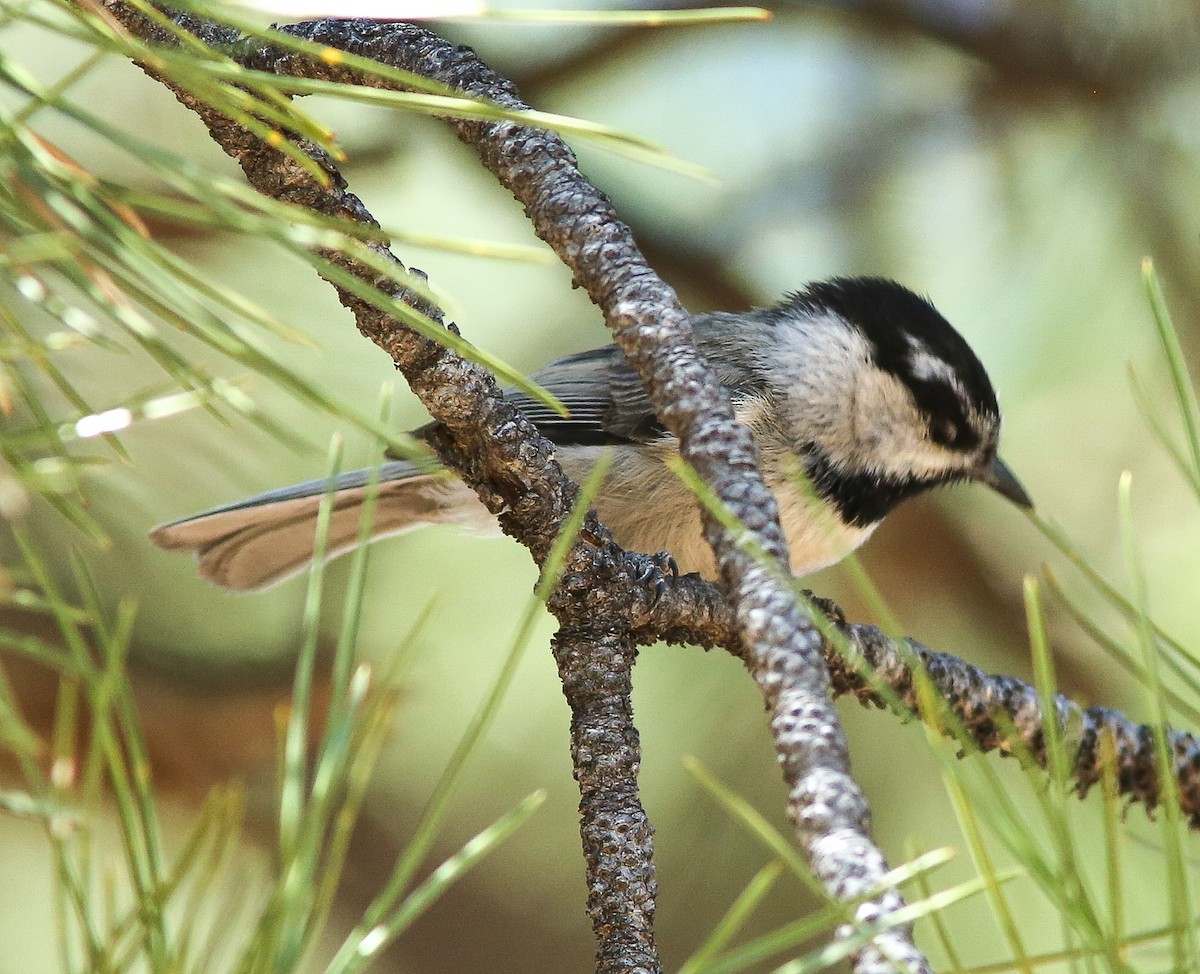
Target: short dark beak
point(997, 476)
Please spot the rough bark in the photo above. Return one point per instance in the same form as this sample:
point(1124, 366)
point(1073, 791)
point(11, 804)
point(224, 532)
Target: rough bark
point(608, 602)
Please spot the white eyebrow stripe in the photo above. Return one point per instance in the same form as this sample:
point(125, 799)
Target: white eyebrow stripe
point(929, 367)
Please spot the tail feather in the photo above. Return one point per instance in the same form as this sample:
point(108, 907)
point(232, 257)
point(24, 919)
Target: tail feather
point(259, 542)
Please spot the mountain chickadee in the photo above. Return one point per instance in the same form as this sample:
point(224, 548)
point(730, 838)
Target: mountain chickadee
point(858, 383)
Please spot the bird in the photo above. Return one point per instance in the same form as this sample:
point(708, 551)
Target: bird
point(858, 393)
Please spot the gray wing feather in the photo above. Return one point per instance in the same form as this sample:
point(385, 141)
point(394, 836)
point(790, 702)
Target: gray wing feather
point(605, 396)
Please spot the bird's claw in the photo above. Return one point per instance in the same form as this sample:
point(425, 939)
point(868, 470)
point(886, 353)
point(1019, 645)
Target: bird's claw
point(655, 573)
point(666, 563)
point(827, 607)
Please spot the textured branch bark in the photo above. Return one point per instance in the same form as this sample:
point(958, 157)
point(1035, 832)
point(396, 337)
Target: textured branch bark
point(826, 806)
point(597, 670)
point(610, 601)
point(603, 593)
point(989, 708)
point(993, 712)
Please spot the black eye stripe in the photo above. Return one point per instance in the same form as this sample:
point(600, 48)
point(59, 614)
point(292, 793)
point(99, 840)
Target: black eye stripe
point(947, 418)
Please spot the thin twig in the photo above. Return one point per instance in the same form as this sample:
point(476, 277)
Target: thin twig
point(995, 712)
point(991, 709)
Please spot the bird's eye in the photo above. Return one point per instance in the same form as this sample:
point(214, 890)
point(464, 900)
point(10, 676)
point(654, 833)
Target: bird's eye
point(943, 432)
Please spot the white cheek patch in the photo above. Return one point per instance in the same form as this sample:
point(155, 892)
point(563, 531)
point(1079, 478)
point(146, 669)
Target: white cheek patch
point(888, 433)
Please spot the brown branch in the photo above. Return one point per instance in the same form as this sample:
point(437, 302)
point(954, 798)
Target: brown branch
point(501, 455)
point(1039, 50)
point(603, 591)
point(597, 669)
point(990, 712)
point(827, 808)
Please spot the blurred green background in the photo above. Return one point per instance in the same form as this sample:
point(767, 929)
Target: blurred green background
point(1011, 159)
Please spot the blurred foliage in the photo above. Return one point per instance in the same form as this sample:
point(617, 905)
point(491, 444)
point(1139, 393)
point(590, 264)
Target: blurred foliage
point(136, 907)
point(165, 345)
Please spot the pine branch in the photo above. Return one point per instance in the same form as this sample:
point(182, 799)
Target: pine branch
point(989, 712)
point(610, 601)
point(828, 810)
point(603, 592)
point(1004, 713)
